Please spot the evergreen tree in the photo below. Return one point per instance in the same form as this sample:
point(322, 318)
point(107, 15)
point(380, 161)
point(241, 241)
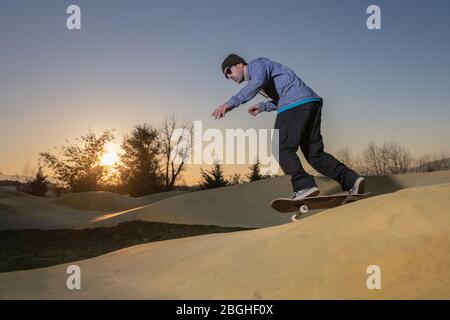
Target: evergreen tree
point(38, 186)
point(255, 172)
point(213, 178)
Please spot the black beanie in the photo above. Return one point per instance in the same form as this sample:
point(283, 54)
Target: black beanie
point(230, 61)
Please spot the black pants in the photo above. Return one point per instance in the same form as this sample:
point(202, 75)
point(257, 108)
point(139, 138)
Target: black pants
point(300, 127)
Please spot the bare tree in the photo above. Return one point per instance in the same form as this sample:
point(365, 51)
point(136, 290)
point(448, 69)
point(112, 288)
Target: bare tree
point(235, 178)
point(432, 162)
point(406, 160)
point(420, 164)
point(443, 161)
point(372, 160)
point(396, 158)
point(176, 145)
point(383, 157)
point(27, 174)
point(345, 156)
point(390, 158)
point(360, 166)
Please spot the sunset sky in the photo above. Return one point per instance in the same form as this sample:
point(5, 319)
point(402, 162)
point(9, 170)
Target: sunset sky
point(136, 62)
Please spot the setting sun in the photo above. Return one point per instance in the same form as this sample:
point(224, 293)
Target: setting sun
point(111, 155)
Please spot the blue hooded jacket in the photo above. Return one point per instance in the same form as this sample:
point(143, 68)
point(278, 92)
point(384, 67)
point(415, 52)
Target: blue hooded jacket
point(275, 81)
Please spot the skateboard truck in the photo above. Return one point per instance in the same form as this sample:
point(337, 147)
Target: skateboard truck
point(302, 210)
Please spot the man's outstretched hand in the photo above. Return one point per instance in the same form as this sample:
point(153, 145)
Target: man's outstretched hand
point(220, 111)
point(254, 110)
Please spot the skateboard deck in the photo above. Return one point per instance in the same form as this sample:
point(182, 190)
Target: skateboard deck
point(302, 206)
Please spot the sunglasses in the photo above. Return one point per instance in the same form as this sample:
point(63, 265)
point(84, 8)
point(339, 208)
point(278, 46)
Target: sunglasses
point(227, 72)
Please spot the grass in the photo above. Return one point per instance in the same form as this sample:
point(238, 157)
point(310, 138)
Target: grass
point(29, 249)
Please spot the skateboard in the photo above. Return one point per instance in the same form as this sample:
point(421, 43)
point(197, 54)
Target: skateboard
point(302, 206)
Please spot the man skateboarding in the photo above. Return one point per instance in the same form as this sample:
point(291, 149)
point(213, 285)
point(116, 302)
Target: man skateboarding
point(298, 120)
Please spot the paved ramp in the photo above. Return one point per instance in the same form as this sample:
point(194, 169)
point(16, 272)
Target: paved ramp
point(325, 256)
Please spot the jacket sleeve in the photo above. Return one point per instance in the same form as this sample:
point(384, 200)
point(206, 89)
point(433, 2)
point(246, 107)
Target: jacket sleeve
point(258, 80)
point(267, 106)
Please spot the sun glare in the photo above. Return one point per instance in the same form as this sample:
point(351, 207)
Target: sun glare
point(111, 155)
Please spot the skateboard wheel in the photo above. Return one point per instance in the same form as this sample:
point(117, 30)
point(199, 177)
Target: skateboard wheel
point(295, 217)
point(304, 209)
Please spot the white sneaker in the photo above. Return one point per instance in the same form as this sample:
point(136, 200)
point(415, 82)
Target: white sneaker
point(358, 187)
point(310, 192)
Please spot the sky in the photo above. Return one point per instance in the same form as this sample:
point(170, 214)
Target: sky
point(136, 62)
